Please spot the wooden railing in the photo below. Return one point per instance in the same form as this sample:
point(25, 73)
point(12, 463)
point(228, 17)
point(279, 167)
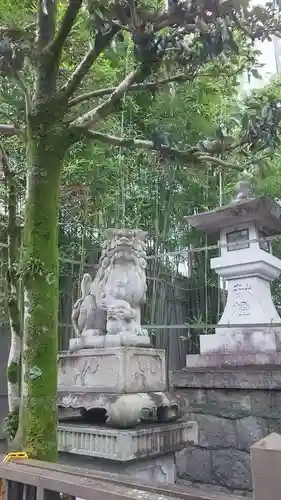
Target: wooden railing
point(34, 480)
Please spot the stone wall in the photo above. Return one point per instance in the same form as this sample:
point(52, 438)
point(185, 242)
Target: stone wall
point(234, 409)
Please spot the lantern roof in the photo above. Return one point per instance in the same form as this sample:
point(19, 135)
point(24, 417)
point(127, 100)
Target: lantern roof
point(263, 212)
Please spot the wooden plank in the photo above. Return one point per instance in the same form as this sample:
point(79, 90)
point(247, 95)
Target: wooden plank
point(82, 487)
point(43, 494)
point(29, 492)
point(13, 490)
point(91, 484)
point(40, 493)
point(110, 478)
point(53, 495)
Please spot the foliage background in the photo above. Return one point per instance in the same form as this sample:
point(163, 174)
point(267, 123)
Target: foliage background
point(103, 187)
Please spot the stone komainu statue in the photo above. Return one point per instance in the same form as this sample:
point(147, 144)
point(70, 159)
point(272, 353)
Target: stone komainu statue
point(110, 304)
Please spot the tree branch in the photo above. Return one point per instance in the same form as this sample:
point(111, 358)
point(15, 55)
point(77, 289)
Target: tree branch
point(4, 162)
point(10, 118)
point(202, 157)
point(191, 156)
point(9, 130)
point(82, 69)
point(133, 88)
point(95, 115)
point(66, 25)
point(46, 22)
point(51, 53)
point(46, 25)
point(55, 47)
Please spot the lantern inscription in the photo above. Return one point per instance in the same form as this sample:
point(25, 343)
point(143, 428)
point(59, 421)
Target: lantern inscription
point(242, 305)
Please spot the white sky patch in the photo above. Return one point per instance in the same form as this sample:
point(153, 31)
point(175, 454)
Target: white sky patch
point(267, 58)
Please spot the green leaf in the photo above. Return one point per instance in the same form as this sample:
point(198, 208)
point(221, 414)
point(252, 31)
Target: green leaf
point(245, 121)
point(256, 74)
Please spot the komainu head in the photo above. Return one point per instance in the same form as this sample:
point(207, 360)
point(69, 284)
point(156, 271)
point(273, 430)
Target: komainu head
point(124, 244)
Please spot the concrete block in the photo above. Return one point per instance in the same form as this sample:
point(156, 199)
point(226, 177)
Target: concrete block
point(232, 468)
point(231, 399)
point(266, 467)
point(194, 464)
point(261, 403)
point(274, 425)
point(276, 404)
point(156, 470)
point(215, 432)
point(249, 431)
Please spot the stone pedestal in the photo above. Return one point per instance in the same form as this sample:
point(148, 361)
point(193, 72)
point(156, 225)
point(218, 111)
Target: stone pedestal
point(249, 299)
point(120, 386)
point(146, 453)
point(113, 370)
point(249, 304)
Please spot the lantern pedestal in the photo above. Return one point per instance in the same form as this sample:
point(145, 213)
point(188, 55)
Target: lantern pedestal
point(249, 304)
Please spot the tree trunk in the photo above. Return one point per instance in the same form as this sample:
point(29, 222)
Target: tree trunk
point(13, 369)
point(37, 432)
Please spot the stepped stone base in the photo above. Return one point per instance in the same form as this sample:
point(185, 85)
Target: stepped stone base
point(114, 444)
point(232, 359)
point(146, 453)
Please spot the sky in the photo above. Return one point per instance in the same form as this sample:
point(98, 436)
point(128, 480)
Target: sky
point(267, 58)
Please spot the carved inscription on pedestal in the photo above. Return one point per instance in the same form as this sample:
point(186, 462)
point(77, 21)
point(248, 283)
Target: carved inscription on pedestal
point(243, 308)
point(113, 370)
point(86, 372)
point(242, 293)
point(146, 372)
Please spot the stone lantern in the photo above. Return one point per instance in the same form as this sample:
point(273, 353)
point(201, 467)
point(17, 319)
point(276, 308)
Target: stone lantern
point(246, 262)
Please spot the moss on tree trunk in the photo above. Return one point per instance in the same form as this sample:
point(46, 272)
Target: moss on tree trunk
point(38, 414)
